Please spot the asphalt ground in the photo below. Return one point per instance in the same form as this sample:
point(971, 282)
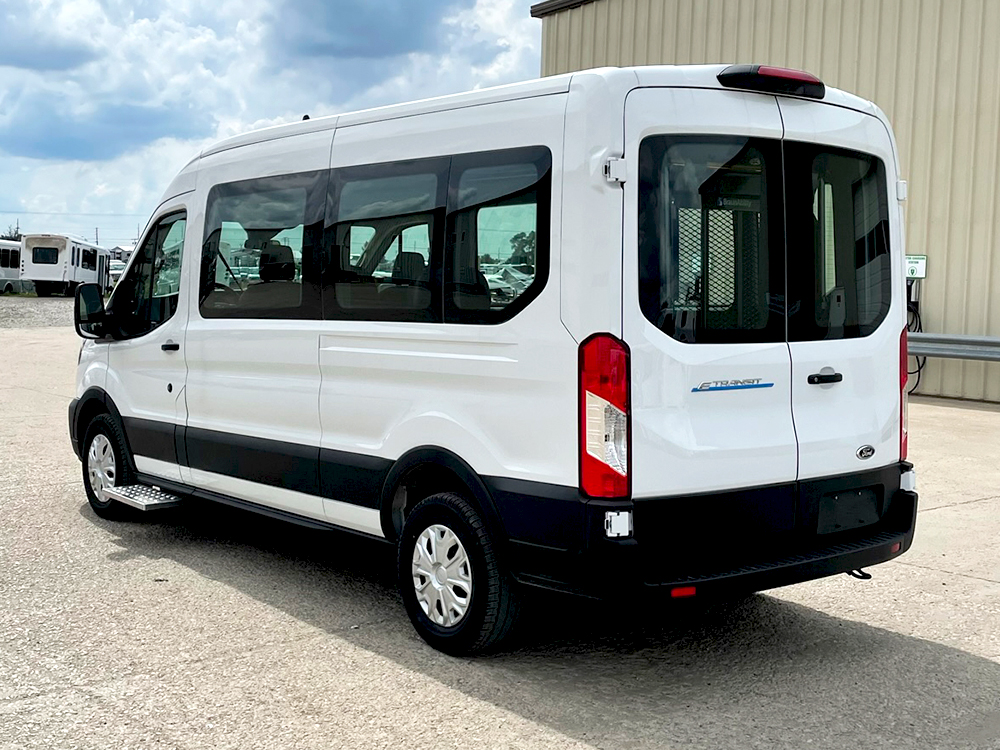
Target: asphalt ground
point(208, 627)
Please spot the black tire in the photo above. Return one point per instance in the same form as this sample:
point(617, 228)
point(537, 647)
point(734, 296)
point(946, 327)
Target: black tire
point(8, 289)
point(104, 424)
point(70, 289)
point(42, 290)
point(492, 603)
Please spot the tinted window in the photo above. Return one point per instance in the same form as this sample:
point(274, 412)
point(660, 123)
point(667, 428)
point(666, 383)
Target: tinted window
point(89, 262)
point(5, 257)
point(839, 270)
point(147, 296)
point(15, 258)
point(262, 247)
point(47, 256)
point(498, 228)
point(385, 230)
point(711, 247)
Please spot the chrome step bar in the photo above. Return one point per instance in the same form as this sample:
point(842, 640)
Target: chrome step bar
point(143, 497)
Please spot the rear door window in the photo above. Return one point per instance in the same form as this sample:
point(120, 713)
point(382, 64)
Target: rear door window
point(711, 247)
point(839, 268)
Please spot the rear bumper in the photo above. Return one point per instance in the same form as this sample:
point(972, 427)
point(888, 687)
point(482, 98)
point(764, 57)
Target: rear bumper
point(731, 542)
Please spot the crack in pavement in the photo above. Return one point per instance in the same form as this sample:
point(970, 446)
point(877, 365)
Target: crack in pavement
point(947, 572)
point(88, 685)
point(960, 502)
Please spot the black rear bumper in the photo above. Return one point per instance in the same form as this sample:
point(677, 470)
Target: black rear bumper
point(741, 541)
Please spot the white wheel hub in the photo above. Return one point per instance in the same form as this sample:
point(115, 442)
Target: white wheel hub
point(442, 575)
point(101, 468)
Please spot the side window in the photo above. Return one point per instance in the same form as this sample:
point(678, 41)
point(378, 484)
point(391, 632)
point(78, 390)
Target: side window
point(498, 230)
point(838, 204)
point(711, 248)
point(15, 258)
point(262, 247)
point(386, 235)
point(89, 262)
point(147, 296)
point(5, 257)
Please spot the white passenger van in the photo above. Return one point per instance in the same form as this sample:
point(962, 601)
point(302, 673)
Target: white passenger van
point(59, 263)
point(616, 331)
point(10, 266)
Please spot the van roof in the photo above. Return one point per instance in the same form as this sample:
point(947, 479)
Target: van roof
point(691, 76)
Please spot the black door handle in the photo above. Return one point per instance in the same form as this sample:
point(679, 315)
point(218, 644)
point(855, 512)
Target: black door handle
point(170, 346)
point(822, 378)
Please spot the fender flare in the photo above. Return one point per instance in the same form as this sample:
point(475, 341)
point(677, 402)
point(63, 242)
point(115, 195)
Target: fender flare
point(86, 405)
point(429, 455)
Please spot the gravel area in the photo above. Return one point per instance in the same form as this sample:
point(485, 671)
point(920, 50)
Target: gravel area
point(21, 311)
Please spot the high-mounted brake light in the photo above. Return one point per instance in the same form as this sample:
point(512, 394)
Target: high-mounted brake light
point(904, 399)
point(605, 429)
point(771, 80)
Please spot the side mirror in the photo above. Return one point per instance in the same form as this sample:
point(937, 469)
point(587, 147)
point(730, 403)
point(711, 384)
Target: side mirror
point(88, 313)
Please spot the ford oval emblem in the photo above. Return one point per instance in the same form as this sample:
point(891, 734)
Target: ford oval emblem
point(865, 452)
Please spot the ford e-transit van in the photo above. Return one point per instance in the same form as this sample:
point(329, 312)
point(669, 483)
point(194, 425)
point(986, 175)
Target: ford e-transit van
point(618, 330)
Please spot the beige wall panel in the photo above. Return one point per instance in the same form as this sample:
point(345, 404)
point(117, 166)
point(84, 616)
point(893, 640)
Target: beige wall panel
point(932, 65)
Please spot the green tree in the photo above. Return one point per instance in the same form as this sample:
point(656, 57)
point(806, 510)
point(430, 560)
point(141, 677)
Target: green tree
point(13, 233)
point(522, 249)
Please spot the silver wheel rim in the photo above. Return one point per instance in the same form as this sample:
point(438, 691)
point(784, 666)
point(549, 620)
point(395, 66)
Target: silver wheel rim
point(101, 469)
point(442, 575)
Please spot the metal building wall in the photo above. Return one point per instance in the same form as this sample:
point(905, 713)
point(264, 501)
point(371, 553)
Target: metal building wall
point(932, 65)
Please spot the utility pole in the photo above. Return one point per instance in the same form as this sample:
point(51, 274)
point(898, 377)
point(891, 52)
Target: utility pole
point(97, 235)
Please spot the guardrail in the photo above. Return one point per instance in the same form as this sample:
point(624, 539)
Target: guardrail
point(954, 346)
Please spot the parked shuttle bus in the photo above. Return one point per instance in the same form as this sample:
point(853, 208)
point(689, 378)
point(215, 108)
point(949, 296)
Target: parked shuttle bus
point(10, 267)
point(620, 332)
point(58, 263)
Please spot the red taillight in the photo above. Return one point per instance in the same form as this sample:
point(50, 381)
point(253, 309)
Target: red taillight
point(772, 80)
point(904, 376)
point(788, 74)
point(683, 592)
point(605, 421)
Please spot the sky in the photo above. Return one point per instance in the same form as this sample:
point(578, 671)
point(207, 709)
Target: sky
point(102, 102)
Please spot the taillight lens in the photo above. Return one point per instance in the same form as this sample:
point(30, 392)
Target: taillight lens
point(904, 376)
point(605, 420)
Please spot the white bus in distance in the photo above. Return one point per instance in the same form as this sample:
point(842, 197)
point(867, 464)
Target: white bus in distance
point(10, 261)
point(59, 263)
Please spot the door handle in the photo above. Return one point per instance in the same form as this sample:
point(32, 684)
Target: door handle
point(821, 378)
point(170, 346)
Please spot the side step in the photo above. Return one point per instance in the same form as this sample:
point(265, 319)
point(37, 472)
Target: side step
point(143, 497)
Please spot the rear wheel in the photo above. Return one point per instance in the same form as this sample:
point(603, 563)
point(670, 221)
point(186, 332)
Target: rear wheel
point(42, 289)
point(8, 289)
point(458, 596)
point(106, 465)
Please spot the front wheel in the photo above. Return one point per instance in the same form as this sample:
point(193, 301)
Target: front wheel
point(105, 465)
point(456, 593)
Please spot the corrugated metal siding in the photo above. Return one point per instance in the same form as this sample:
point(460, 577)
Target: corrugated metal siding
point(932, 65)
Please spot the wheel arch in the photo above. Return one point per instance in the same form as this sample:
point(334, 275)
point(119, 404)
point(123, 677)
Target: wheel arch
point(93, 402)
point(427, 470)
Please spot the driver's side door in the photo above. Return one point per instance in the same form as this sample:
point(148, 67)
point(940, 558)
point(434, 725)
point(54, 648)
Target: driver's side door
point(146, 367)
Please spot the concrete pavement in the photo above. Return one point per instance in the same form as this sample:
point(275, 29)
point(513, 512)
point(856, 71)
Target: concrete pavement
point(209, 627)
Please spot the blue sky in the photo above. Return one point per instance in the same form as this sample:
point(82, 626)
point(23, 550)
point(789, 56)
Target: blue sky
point(102, 101)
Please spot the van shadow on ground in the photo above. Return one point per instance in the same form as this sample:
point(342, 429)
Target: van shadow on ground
point(757, 672)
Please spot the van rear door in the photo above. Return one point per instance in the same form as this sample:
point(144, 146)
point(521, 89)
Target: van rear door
point(703, 306)
point(845, 298)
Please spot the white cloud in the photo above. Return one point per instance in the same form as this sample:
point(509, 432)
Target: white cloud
point(104, 128)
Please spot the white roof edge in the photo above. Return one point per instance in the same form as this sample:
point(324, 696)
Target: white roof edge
point(507, 92)
point(697, 76)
